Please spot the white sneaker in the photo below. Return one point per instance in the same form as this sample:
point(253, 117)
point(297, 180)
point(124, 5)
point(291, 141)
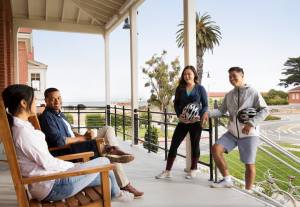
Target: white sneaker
point(164, 174)
point(124, 196)
point(249, 191)
point(192, 174)
point(222, 184)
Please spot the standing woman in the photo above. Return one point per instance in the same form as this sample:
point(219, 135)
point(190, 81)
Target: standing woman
point(188, 93)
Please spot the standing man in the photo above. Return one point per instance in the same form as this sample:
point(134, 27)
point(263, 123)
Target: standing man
point(58, 133)
point(246, 108)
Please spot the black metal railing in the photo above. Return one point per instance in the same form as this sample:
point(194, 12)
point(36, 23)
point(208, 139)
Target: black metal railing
point(95, 116)
point(166, 124)
point(120, 118)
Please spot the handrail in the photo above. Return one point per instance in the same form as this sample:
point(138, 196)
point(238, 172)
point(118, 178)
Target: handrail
point(279, 148)
point(119, 116)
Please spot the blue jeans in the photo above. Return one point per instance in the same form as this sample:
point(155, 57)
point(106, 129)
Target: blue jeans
point(67, 187)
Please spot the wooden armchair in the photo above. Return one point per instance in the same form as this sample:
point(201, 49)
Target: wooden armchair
point(96, 196)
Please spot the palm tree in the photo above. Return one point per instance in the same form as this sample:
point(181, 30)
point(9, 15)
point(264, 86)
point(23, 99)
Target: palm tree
point(207, 36)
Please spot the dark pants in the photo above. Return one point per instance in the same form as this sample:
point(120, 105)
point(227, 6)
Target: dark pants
point(180, 132)
point(86, 146)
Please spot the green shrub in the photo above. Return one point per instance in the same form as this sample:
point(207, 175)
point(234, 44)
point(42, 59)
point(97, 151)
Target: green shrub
point(153, 139)
point(119, 120)
point(69, 118)
point(144, 115)
point(94, 120)
point(274, 97)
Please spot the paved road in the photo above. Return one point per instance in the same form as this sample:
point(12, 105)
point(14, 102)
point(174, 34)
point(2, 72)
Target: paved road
point(285, 130)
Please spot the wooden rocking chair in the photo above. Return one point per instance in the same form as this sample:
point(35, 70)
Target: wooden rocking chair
point(89, 197)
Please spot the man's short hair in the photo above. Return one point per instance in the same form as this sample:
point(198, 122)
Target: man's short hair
point(49, 90)
point(236, 69)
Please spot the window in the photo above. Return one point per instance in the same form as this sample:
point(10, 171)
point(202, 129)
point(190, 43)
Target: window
point(35, 81)
point(297, 95)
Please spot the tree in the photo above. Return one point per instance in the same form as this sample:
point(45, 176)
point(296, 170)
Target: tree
point(162, 79)
point(208, 36)
point(274, 97)
point(292, 71)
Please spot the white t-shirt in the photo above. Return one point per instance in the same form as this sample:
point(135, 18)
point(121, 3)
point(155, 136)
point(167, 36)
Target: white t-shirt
point(34, 157)
point(69, 127)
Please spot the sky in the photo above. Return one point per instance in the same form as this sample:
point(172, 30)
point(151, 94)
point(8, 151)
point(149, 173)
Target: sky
point(257, 35)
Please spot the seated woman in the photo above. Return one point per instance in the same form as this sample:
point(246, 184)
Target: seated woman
point(34, 158)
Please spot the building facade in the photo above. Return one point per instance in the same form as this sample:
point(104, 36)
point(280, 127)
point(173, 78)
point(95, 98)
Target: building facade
point(31, 72)
point(294, 95)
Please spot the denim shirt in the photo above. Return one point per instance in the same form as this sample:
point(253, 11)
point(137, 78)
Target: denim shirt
point(198, 95)
point(53, 126)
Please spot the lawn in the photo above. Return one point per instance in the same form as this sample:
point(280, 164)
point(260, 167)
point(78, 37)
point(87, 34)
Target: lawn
point(287, 145)
point(263, 163)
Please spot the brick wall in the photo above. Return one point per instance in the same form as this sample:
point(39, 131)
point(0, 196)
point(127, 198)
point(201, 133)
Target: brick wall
point(294, 97)
point(6, 45)
point(23, 66)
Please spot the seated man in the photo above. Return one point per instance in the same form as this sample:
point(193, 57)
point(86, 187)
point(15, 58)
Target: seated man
point(58, 133)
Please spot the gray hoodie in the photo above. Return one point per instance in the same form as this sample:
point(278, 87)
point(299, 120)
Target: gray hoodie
point(238, 99)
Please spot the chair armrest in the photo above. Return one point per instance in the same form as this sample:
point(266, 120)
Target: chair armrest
point(84, 156)
point(59, 148)
point(71, 173)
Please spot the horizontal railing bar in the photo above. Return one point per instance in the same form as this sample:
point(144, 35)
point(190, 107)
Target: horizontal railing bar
point(85, 112)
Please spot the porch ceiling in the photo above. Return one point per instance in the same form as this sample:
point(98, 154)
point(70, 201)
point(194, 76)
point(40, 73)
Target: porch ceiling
point(86, 16)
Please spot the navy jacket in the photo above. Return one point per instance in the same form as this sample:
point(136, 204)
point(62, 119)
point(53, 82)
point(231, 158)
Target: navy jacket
point(54, 127)
point(198, 95)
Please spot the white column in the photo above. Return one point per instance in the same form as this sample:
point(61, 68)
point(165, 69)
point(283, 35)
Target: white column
point(189, 12)
point(107, 70)
point(134, 64)
point(16, 55)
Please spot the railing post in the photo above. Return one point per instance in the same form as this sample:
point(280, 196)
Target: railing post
point(108, 115)
point(123, 122)
point(116, 129)
point(149, 133)
point(166, 134)
point(136, 126)
point(78, 118)
point(216, 122)
point(211, 164)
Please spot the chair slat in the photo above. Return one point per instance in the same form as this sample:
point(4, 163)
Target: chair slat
point(93, 195)
point(83, 200)
point(98, 190)
point(47, 204)
point(60, 204)
point(72, 201)
point(34, 203)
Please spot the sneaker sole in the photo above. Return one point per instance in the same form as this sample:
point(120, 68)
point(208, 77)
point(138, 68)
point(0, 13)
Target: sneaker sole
point(162, 178)
point(212, 186)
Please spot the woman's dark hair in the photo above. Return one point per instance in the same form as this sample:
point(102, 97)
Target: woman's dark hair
point(13, 95)
point(182, 82)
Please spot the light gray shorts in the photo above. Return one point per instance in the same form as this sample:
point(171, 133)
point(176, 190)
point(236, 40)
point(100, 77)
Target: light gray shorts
point(247, 146)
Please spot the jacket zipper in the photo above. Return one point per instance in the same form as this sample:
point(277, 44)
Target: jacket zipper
point(236, 119)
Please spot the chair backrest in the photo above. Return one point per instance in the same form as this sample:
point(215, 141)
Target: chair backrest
point(35, 121)
point(7, 140)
